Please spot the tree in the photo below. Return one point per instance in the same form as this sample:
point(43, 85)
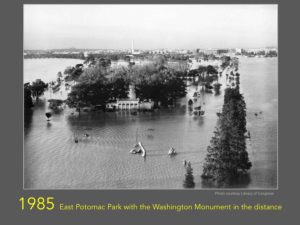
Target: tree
point(211, 70)
point(90, 60)
point(55, 104)
point(217, 87)
point(92, 89)
point(27, 96)
point(189, 177)
point(38, 88)
point(96, 85)
point(174, 87)
point(75, 100)
point(69, 70)
point(160, 61)
point(48, 115)
point(59, 76)
point(225, 61)
point(103, 63)
point(158, 83)
point(73, 73)
point(227, 156)
point(119, 84)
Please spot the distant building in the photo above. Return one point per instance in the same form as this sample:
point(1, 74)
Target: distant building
point(222, 51)
point(210, 51)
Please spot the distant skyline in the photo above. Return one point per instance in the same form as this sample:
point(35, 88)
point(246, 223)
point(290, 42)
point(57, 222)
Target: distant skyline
point(150, 26)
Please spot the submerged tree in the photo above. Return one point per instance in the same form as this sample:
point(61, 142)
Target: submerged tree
point(73, 73)
point(91, 90)
point(157, 82)
point(227, 156)
point(38, 88)
point(90, 60)
point(189, 177)
point(119, 84)
point(217, 87)
point(55, 104)
point(27, 96)
point(48, 115)
point(98, 84)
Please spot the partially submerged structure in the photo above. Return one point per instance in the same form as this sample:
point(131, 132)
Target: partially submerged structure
point(130, 104)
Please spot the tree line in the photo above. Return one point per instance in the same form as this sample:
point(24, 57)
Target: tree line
point(95, 83)
point(33, 90)
point(98, 84)
point(227, 156)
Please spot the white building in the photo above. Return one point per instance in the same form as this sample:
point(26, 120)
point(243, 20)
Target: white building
point(131, 103)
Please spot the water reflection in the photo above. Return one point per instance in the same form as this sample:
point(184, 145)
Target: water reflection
point(49, 124)
point(28, 115)
point(239, 181)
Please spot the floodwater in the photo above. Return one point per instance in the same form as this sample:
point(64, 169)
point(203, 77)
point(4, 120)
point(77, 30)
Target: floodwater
point(46, 69)
point(52, 160)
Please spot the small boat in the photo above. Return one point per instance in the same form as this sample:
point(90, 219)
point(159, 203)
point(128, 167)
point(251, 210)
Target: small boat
point(142, 149)
point(172, 151)
point(137, 149)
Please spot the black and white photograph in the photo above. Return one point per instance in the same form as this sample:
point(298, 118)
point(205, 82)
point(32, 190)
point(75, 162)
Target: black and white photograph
point(157, 97)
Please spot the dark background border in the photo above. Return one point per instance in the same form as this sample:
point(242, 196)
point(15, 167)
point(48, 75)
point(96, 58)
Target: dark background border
point(11, 165)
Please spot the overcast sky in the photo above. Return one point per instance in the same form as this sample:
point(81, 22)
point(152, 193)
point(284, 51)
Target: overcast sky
point(150, 26)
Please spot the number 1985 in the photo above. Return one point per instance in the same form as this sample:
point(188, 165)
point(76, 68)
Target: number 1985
point(39, 203)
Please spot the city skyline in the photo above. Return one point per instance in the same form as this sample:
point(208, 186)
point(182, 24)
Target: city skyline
point(150, 26)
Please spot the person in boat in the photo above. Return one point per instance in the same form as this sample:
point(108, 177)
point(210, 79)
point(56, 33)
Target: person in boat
point(172, 151)
point(136, 149)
